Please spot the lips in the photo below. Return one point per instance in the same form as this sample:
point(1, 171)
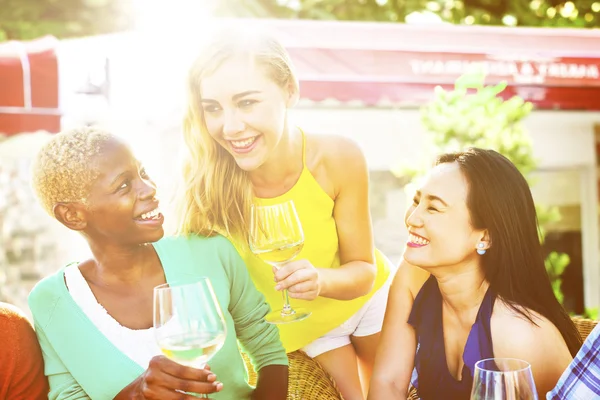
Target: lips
point(149, 215)
point(242, 146)
point(416, 241)
point(243, 143)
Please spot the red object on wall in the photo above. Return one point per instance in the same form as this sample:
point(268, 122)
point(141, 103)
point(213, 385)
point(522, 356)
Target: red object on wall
point(29, 86)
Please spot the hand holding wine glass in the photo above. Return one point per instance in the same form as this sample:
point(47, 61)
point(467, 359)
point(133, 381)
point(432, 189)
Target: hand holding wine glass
point(503, 379)
point(188, 322)
point(276, 237)
point(165, 380)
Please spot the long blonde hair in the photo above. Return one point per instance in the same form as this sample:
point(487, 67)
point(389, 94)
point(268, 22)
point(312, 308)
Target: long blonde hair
point(215, 195)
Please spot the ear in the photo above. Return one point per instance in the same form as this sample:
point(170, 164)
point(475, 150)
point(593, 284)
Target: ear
point(293, 93)
point(71, 215)
point(486, 240)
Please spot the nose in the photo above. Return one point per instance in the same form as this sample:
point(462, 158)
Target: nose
point(147, 190)
point(232, 124)
point(413, 217)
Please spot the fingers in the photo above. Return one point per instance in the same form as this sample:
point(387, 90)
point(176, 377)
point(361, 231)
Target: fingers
point(162, 393)
point(289, 268)
point(172, 383)
point(181, 371)
point(302, 285)
point(303, 294)
point(307, 277)
point(164, 374)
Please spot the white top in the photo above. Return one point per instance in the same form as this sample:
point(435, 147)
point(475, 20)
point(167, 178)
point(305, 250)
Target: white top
point(137, 344)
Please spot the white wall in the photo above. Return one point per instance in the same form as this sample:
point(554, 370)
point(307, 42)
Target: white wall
point(392, 136)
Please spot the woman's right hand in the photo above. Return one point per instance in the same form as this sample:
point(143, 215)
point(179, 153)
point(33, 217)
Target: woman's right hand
point(167, 380)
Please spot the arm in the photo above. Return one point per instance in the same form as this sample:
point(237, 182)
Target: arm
point(21, 354)
point(62, 384)
point(352, 215)
point(345, 173)
point(542, 346)
point(259, 339)
point(395, 357)
point(272, 383)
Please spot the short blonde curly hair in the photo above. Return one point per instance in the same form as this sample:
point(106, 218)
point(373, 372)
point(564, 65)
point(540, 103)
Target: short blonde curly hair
point(63, 170)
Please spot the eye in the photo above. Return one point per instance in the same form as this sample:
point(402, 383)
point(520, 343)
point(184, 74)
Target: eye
point(432, 209)
point(143, 173)
point(415, 201)
point(211, 108)
point(247, 103)
point(125, 185)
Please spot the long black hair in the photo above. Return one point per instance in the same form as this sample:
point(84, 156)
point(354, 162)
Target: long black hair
point(499, 200)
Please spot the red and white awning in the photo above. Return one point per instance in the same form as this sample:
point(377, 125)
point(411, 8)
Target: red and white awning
point(401, 64)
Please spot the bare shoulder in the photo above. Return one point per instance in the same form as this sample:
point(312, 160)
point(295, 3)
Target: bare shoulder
point(334, 150)
point(514, 334)
point(337, 163)
point(538, 342)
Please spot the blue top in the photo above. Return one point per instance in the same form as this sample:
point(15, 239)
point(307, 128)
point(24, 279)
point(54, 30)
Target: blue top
point(431, 376)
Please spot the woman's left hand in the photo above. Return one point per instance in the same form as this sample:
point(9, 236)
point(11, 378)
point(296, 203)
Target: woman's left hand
point(300, 278)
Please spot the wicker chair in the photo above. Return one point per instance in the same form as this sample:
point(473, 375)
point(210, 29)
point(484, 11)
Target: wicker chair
point(307, 379)
point(584, 326)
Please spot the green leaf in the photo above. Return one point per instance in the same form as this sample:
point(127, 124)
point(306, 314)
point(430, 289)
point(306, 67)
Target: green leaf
point(471, 80)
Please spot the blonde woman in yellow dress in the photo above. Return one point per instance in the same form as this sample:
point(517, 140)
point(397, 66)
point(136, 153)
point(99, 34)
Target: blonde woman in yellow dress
point(242, 151)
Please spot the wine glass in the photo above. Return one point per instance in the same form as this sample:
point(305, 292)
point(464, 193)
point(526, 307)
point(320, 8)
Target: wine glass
point(188, 323)
point(276, 237)
point(503, 379)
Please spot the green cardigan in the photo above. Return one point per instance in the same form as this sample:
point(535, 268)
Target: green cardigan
point(82, 363)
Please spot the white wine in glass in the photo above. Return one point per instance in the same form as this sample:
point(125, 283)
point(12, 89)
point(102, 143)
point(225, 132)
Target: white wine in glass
point(503, 379)
point(276, 237)
point(188, 322)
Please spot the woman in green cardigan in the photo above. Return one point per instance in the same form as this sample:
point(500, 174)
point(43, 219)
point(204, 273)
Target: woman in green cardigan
point(94, 318)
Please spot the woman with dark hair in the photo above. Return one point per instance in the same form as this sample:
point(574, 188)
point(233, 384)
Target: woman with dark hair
point(480, 289)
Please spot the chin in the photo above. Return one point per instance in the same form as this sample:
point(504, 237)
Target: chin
point(155, 236)
point(248, 165)
point(412, 257)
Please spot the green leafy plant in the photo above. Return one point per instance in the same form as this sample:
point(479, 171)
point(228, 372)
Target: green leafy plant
point(591, 313)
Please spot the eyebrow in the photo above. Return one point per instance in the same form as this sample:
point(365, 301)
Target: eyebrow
point(118, 177)
point(432, 197)
point(235, 96)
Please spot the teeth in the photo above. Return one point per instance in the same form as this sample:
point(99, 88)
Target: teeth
point(417, 239)
point(243, 143)
point(151, 215)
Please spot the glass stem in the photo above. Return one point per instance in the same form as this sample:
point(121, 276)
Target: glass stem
point(287, 309)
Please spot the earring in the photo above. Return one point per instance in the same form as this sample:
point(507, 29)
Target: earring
point(480, 248)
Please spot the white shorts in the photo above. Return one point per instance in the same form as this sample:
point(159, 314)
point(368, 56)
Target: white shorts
point(365, 322)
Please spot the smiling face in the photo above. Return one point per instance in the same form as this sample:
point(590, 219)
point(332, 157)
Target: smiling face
point(121, 206)
point(245, 111)
point(438, 221)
